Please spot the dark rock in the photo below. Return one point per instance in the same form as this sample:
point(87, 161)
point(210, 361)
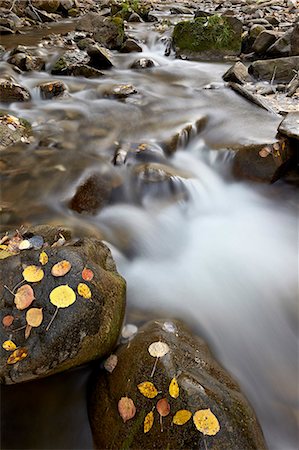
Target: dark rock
point(76, 64)
point(201, 13)
point(135, 18)
point(278, 70)
point(120, 91)
point(264, 40)
point(130, 46)
point(47, 5)
point(53, 89)
point(27, 62)
point(238, 73)
point(180, 10)
point(143, 63)
point(40, 16)
point(282, 47)
point(255, 30)
point(263, 163)
point(83, 70)
point(5, 30)
point(107, 31)
point(9, 20)
point(290, 125)
point(210, 37)
point(66, 5)
point(203, 385)
point(13, 92)
point(100, 57)
point(295, 40)
point(13, 130)
point(84, 43)
point(81, 332)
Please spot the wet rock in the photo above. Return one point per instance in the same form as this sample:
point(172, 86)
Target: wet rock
point(278, 69)
point(66, 5)
point(202, 385)
point(26, 61)
point(94, 193)
point(290, 125)
point(265, 163)
point(47, 5)
point(256, 30)
point(238, 73)
point(66, 63)
point(13, 130)
point(83, 70)
point(13, 92)
point(130, 46)
point(135, 18)
point(143, 63)
point(100, 57)
point(282, 47)
point(40, 16)
point(120, 91)
point(294, 41)
point(264, 40)
point(126, 8)
point(5, 30)
point(208, 38)
point(86, 329)
point(9, 20)
point(84, 43)
point(107, 31)
point(53, 89)
point(202, 13)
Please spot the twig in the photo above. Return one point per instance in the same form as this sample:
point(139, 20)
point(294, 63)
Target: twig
point(273, 76)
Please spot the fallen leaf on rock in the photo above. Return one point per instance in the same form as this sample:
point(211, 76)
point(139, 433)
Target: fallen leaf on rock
point(110, 363)
point(43, 258)
point(17, 355)
point(24, 297)
point(174, 389)
point(7, 321)
point(158, 349)
point(206, 422)
point(181, 417)
point(61, 268)
point(14, 242)
point(148, 389)
point(25, 245)
point(163, 407)
point(34, 317)
point(28, 329)
point(10, 346)
point(33, 274)
point(84, 290)
point(87, 274)
point(126, 408)
point(4, 253)
point(62, 297)
point(148, 422)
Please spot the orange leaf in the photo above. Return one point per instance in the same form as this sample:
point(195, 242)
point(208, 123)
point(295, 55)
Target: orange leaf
point(24, 297)
point(34, 317)
point(126, 408)
point(87, 274)
point(61, 268)
point(17, 355)
point(163, 407)
point(7, 321)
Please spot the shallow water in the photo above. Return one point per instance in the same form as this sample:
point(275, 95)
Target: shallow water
point(224, 260)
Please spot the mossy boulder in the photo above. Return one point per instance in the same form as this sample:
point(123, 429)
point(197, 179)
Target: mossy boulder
point(85, 330)
point(201, 385)
point(126, 8)
point(107, 31)
point(208, 38)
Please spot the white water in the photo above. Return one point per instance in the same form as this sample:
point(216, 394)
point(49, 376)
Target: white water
point(227, 263)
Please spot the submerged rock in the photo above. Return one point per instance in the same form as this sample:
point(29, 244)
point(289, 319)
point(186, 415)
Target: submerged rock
point(211, 37)
point(88, 316)
point(13, 92)
point(152, 402)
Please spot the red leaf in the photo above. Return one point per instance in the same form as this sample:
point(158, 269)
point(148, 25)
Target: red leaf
point(87, 274)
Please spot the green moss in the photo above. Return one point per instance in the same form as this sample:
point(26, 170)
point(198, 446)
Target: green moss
point(60, 65)
point(125, 8)
point(206, 34)
point(26, 125)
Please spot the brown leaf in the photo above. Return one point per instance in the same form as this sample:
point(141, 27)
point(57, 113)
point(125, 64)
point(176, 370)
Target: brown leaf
point(110, 363)
point(126, 408)
point(34, 317)
point(163, 407)
point(28, 331)
point(24, 297)
point(61, 268)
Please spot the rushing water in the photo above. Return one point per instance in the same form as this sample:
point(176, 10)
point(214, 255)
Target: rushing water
point(224, 260)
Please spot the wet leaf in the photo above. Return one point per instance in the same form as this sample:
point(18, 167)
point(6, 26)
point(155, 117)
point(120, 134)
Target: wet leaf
point(87, 274)
point(34, 317)
point(33, 274)
point(61, 268)
point(206, 422)
point(17, 355)
point(148, 389)
point(158, 349)
point(126, 408)
point(174, 389)
point(25, 245)
point(181, 417)
point(84, 290)
point(148, 422)
point(163, 407)
point(4, 253)
point(110, 363)
point(43, 258)
point(7, 321)
point(62, 296)
point(28, 329)
point(10, 346)
point(24, 297)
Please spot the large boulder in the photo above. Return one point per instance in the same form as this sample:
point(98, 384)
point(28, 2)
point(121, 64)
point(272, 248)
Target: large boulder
point(74, 312)
point(13, 92)
point(278, 69)
point(107, 31)
point(183, 399)
point(208, 38)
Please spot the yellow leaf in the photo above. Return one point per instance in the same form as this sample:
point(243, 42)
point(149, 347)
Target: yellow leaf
point(181, 417)
point(9, 346)
point(43, 258)
point(5, 253)
point(148, 422)
point(34, 317)
point(62, 296)
point(17, 355)
point(61, 268)
point(206, 422)
point(174, 389)
point(33, 274)
point(147, 389)
point(84, 290)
